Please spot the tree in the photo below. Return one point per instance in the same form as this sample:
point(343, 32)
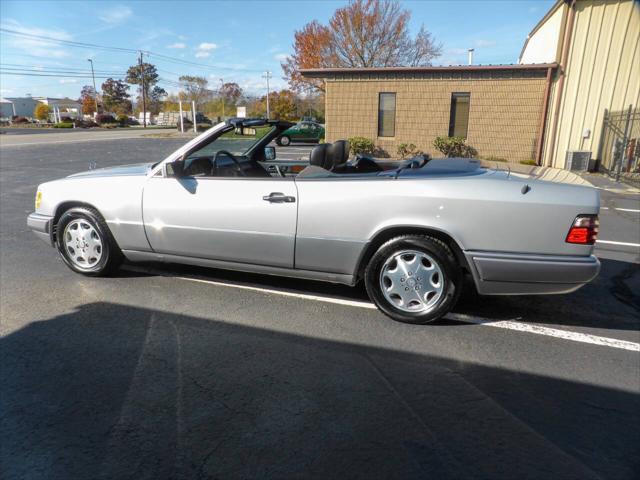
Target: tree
point(88, 105)
point(146, 75)
point(88, 100)
point(230, 92)
point(41, 112)
point(311, 50)
point(282, 105)
point(115, 96)
point(195, 88)
point(156, 95)
point(365, 33)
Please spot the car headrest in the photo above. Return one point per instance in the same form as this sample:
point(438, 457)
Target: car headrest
point(319, 156)
point(339, 152)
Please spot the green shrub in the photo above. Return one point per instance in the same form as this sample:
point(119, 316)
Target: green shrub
point(63, 125)
point(528, 162)
point(454, 147)
point(361, 145)
point(123, 119)
point(408, 150)
point(491, 158)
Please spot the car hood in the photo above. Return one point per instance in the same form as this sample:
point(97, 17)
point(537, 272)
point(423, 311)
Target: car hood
point(134, 169)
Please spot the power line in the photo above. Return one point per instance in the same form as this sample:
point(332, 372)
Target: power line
point(70, 43)
point(62, 73)
point(122, 49)
point(47, 67)
point(50, 75)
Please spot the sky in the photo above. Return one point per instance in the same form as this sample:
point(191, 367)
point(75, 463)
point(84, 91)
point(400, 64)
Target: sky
point(234, 41)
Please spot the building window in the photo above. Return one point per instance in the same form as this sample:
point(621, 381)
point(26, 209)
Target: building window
point(459, 118)
point(387, 115)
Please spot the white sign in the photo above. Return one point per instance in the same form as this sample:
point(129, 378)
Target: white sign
point(242, 112)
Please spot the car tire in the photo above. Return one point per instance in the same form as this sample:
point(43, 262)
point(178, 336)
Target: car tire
point(284, 141)
point(85, 243)
point(414, 279)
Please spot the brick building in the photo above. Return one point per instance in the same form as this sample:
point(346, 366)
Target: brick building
point(498, 109)
point(576, 83)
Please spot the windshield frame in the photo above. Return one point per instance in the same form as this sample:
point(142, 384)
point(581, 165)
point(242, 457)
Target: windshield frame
point(216, 131)
point(249, 142)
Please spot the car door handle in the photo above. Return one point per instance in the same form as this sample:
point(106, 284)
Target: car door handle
point(278, 197)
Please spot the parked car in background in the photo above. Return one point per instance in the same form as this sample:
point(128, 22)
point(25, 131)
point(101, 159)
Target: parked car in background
point(310, 132)
point(410, 232)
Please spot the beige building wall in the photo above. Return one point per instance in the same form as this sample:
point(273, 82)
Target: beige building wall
point(504, 116)
point(543, 43)
point(602, 72)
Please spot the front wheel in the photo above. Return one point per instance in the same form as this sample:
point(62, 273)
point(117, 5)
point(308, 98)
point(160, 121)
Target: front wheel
point(85, 243)
point(414, 279)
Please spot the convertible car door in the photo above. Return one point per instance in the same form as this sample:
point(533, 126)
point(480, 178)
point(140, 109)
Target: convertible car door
point(232, 219)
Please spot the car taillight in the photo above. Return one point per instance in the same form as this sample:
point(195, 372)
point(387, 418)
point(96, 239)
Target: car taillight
point(584, 230)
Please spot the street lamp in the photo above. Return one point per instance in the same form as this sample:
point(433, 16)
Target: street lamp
point(95, 92)
point(222, 95)
point(268, 76)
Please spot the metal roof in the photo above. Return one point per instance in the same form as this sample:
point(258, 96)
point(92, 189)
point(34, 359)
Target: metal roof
point(324, 72)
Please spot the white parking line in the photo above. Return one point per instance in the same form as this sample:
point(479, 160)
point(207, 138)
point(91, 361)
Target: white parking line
point(505, 324)
point(284, 293)
point(625, 244)
point(632, 210)
point(551, 332)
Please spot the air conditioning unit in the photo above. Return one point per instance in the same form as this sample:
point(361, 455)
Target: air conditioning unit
point(577, 160)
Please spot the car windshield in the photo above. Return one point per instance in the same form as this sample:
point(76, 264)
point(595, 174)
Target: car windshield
point(236, 142)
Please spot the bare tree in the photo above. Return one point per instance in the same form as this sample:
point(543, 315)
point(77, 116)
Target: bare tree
point(195, 89)
point(365, 33)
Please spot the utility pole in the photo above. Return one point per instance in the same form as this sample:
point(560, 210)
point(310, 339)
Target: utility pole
point(222, 96)
point(95, 92)
point(144, 94)
point(267, 75)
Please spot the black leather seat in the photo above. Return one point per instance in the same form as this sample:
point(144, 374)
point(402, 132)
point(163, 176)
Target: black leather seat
point(319, 158)
point(330, 156)
point(339, 153)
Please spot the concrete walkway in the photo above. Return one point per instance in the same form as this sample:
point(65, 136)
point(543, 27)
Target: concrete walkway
point(604, 182)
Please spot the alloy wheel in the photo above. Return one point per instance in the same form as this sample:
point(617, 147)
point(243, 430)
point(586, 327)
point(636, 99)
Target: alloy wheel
point(412, 281)
point(82, 243)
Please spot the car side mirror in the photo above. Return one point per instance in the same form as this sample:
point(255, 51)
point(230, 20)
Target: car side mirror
point(269, 153)
point(176, 168)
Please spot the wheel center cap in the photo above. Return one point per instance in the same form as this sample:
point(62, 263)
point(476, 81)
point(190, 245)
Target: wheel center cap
point(411, 282)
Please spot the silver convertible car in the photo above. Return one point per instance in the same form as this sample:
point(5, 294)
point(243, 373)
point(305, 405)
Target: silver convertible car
point(411, 231)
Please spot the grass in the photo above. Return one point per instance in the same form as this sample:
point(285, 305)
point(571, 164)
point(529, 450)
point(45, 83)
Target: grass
point(63, 125)
point(529, 162)
point(491, 158)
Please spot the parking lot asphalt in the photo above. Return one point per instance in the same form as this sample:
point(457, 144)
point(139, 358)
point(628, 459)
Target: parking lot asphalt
point(166, 371)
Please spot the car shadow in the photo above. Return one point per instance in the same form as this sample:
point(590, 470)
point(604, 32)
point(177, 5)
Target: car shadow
point(112, 391)
point(609, 302)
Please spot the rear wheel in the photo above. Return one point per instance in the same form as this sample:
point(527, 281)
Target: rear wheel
point(414, 279)
point(284, 141)
point(85, 243)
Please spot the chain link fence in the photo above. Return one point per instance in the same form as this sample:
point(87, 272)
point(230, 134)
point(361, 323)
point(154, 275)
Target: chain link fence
point(619, 150)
